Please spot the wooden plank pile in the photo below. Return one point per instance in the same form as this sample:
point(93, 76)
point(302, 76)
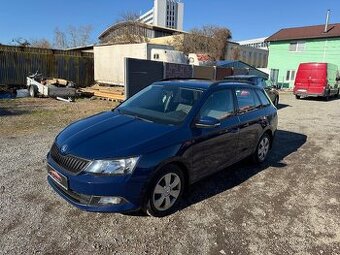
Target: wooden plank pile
point(108, 93)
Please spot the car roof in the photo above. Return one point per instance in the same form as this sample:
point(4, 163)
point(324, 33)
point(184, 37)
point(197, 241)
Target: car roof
point(203, 84)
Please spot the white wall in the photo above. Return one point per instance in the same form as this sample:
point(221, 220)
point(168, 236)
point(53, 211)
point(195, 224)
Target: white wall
point(180, 16)
point(160, 13)
point(170, 56)
point(109, 61)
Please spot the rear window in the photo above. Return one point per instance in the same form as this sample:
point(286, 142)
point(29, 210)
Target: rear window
point(247, 99)
point(263, 98)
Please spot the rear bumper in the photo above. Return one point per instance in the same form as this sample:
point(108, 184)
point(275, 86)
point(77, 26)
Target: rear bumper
point(306, 93)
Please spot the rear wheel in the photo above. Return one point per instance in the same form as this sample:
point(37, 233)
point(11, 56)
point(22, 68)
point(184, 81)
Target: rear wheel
point(32, 91)
point(262, 149)
point(297, 96)
point(165, 191)
point(276, 101)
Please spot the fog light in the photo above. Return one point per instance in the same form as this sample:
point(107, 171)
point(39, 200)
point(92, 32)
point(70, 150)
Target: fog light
point(110, 200)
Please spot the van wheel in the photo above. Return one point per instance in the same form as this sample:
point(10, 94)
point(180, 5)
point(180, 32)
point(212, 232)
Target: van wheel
point(165, 191)
point(276, 101)
point(262, 149)
point(297, 96)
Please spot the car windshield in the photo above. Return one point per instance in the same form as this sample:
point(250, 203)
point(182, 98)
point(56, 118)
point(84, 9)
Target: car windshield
point(168, 104)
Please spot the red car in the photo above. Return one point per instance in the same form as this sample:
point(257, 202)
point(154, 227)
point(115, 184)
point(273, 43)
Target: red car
point(316, 79)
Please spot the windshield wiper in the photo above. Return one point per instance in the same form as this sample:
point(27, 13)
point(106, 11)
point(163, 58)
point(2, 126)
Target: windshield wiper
point(134, 116)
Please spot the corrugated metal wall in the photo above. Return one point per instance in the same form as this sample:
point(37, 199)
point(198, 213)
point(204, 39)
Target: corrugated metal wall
point(141, 73)
point(18, 62)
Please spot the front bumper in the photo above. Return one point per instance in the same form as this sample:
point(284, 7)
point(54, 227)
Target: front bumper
point(84, 190)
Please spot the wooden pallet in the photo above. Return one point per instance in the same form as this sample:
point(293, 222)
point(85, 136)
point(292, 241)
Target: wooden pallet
point(109, 94)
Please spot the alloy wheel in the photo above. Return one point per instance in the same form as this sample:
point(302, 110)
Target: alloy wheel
point(263, 148)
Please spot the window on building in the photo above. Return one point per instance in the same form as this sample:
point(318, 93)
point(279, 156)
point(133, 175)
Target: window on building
point(297, 46)
point(290, 75)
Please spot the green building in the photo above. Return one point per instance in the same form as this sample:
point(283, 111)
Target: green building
point(291, 46)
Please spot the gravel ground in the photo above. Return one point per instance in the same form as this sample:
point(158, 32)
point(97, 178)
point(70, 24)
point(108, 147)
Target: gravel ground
point(289, 205)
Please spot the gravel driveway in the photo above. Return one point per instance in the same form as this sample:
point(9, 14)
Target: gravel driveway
point(289, 205)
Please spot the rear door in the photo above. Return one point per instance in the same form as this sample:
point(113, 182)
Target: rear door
point(249, 107)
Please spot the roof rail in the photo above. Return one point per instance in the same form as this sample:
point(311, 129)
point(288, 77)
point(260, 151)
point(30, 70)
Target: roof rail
point(238, 80)
point(230, 81)
point(172, 79)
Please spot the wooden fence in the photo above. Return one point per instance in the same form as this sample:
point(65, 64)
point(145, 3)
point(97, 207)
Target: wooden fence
point(16, 63)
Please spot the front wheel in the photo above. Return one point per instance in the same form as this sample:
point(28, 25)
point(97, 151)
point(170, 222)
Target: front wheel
point(297, 96)
point(165, 191)
point(262, 149)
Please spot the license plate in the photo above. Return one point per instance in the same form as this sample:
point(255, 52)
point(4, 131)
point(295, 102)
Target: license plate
point(57, 177)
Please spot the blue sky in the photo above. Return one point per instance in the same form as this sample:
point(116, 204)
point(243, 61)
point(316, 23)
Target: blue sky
point(34, 19)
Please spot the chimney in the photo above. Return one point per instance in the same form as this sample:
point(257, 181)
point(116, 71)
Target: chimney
point(327, 21)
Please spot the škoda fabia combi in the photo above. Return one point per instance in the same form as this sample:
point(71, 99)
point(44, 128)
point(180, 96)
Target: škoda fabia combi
point(144, 153)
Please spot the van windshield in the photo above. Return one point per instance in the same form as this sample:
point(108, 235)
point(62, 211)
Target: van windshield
point(166, 104)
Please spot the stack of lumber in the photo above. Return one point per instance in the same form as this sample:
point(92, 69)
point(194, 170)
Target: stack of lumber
point(110, 93)
point(55, 81)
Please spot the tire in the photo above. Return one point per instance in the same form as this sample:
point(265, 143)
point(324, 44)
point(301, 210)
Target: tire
point(297, 96)
point(165, 191)
point(262, 149)
point(32, 91)
point(276, 101)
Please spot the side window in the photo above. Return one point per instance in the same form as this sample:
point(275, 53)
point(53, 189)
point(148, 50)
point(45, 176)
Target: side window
point(264, 99)
point(247, 99)
point(219, 105)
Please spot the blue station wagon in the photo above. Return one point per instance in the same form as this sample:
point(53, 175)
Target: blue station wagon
point(144, 153)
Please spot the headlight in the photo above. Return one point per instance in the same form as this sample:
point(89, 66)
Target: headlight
point(112, 167)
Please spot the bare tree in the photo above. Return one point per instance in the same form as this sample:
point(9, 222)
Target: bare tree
point(72, 37)
point(129, 30)
point(128, 16)
point(41, 43)
point(211, 40)
point(60, 41)
point(21, 42)
point(236, 53)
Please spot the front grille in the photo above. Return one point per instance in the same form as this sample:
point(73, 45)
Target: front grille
point(70, 163)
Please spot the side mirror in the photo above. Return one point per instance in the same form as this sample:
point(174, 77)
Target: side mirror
point(207, 122)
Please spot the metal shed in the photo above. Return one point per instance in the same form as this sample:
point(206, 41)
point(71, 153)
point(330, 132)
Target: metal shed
point(240, 67)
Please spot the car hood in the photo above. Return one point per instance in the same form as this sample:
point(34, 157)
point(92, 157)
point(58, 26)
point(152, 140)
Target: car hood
point(111, 135)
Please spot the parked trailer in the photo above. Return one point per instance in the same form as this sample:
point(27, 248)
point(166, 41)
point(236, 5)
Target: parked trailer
point(37, 86)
